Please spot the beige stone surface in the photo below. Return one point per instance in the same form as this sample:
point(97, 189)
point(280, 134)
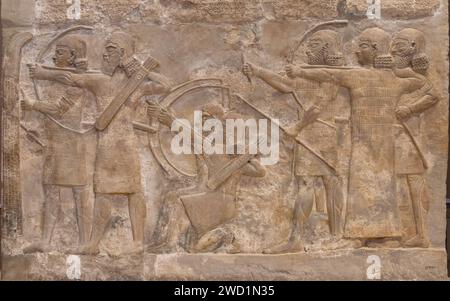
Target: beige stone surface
point(89, 173)
point(401, 9)
point(397, 264)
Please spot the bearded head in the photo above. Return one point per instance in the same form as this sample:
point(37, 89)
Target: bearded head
point(324, 48)
point(373, 48)
point(408, 50)
point(71, 52)
point(119, 48)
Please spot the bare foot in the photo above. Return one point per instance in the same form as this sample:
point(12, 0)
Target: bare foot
point(337, 244)
point(37, 247)
point(89, 249)
point(417, 242)
point(234, 249)
point(136, 248)
point(158, 248)
point(285, 247)
point(384, 243)
point(212, 241)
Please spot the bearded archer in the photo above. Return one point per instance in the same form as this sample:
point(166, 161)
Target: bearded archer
point(117, 166)
point(323, 48)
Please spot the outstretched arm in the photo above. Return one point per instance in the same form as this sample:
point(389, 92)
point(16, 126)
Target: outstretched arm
point(334, 76)
point(39, 73)
point(276, 81)
point(87, 81)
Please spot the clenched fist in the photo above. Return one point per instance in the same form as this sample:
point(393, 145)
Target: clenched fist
point(153, 109)
point(26, 103)
point(403, 112)
point(292, 71)
point(165, 117)
point(34, 70)
point(250, 70)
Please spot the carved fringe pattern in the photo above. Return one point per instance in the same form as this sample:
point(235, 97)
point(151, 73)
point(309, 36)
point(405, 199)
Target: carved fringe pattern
point(384, 62)
point(421, 63)
point(11, 192)
point(11, 196)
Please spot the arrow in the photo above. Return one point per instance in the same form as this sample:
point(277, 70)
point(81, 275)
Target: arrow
point(298, 140)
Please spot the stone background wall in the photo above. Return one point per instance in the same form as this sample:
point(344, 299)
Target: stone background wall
point(205, 38)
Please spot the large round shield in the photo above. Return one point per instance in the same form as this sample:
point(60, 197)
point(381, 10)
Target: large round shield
point(183, 101)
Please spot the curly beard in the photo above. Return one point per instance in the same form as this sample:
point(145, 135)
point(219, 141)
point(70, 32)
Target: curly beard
point(402, 61)
point(317, 58)
point(108, 67)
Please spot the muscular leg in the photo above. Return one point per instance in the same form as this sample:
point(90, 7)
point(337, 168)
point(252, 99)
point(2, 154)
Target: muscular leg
point(335, 204)
point(173, 224)
point(102, 214)
point(320, 197)
point(419, 197)
point(302, 210)
point(52, 209)
point(303, 206)
point(84, 212)
point(138, 212)
point(163, 230)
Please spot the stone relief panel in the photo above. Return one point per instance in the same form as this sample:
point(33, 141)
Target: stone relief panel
point(168, 135)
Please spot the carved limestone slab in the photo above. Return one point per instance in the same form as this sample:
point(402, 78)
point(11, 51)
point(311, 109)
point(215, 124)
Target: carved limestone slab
point(224, 140)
